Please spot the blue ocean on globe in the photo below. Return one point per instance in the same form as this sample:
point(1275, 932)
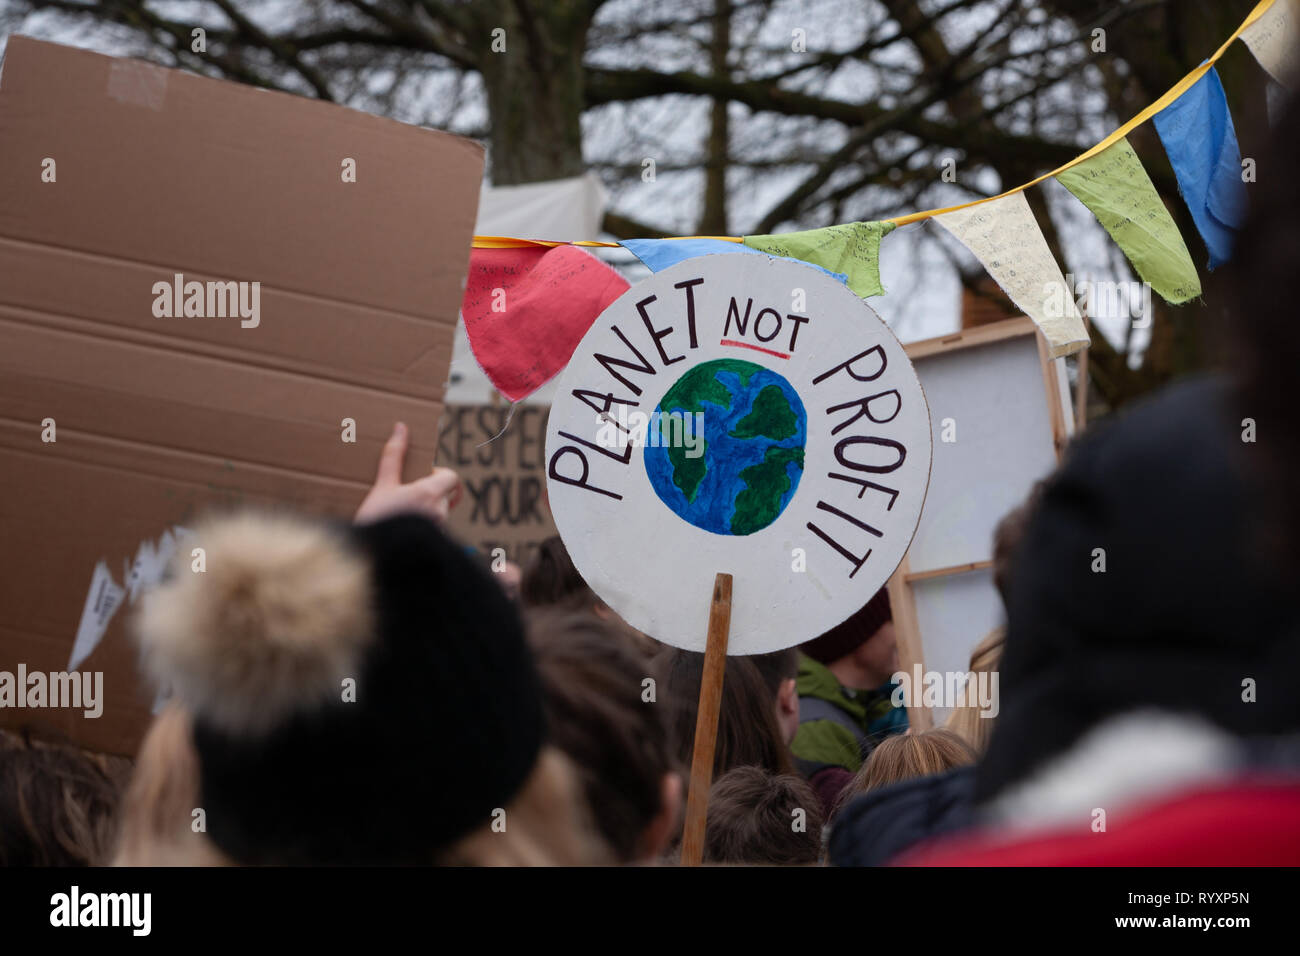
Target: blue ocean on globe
point(755, 428)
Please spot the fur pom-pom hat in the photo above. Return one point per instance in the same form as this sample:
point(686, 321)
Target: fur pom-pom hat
point(359, 694)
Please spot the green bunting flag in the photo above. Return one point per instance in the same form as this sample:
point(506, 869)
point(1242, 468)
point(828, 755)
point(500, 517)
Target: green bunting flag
point(852, 248)
point(1116, 188)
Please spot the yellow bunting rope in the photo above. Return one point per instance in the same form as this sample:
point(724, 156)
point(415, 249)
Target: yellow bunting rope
point(510, 242)
point(1177, 90)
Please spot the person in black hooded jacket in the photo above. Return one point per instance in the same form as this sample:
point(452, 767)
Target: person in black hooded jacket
point(1141, 583)
point(1150, 575)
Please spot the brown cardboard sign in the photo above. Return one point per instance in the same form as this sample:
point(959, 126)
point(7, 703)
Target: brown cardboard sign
point(499, 456)
point(213, 295)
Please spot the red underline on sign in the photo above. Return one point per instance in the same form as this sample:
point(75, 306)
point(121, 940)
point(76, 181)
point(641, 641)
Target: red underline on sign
point(756, 348)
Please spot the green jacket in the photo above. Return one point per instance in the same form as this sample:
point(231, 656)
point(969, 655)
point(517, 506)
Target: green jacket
point(844, 736)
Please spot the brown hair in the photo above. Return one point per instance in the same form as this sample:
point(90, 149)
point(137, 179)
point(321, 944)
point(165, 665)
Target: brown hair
point(748, 734)
point(776, 667)
point(752, 819)
point(546, 823)
point(593, 675)
point(905, 756)
point(58, 805)
point(550, 579)
point(967, 721)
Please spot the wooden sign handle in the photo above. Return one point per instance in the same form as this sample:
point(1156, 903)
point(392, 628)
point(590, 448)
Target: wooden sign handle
point(706, 721)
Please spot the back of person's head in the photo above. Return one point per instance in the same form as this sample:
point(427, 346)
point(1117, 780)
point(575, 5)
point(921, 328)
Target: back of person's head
point(760, 817)
point(602, 711)
point(1139, 584)
point(345, 695)
point(780, 671)
point(777, 667)
point(905, 756)
point(161, 826)
point(748, 734)
point(551, 580)
point(58, 806)
point(969, 720)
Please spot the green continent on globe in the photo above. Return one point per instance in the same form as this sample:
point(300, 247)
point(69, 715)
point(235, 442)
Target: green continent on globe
point(759, 504)
point(701, 384)
point(688, 394)
point(689, 472)
point(771, 417)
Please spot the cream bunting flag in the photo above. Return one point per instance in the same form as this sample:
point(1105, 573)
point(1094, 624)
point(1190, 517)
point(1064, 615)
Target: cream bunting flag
point(1273, 38)
point(1005, 237)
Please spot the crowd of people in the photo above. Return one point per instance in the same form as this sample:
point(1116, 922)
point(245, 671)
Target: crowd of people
point(372, 693)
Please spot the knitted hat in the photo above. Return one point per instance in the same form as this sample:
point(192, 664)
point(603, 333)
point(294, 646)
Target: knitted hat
point(1186, 606)
point(360, 695)
point(847, 636)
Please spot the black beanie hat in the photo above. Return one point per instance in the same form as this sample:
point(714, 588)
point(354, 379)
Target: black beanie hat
point(850, 634)
point(1187, 608)
point(446, 721)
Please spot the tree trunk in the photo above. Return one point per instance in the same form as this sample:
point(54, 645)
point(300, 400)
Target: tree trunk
point(534, 86)
point(713, 220)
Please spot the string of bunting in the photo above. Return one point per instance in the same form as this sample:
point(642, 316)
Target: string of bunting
point(1195, 128)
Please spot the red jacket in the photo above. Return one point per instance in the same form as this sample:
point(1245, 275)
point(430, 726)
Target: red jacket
point(1254, 822)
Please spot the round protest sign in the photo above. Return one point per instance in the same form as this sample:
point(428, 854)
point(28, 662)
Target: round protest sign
point(743, 414)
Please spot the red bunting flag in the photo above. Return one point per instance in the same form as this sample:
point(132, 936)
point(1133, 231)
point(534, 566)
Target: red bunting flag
point(525, 311)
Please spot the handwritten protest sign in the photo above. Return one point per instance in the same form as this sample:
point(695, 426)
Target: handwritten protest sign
point(745, 415)
point(497, 451)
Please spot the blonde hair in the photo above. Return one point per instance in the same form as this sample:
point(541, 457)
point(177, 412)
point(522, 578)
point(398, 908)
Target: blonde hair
point(905, 756)
point(545, 824)
point(967, 721)
point(158, 809)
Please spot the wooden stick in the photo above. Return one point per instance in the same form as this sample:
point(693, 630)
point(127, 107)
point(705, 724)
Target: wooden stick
point(944, 572)
point(706, 721)
point(902, 598)
point(1081, 388)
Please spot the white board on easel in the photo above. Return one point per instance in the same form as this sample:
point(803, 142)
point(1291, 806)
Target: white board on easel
point(1001, 413)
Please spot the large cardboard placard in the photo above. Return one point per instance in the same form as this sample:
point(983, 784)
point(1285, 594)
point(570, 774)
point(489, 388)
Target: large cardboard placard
point(738, 414)
point(132, 399)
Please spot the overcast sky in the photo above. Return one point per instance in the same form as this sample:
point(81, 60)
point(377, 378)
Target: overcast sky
point(917, 261)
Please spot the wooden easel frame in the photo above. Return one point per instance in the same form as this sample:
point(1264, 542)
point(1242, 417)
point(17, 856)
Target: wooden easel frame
point(902, 597)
